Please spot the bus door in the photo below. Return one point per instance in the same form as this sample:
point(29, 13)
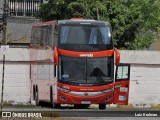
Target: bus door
point(121, 85)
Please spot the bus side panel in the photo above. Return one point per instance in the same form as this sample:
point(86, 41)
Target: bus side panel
point(33, 72)
point(41, 71)
point(54, 83)
point(43, 81)
point(55, 92)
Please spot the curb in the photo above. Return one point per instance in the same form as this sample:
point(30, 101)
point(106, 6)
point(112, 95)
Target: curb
point(129, 106)
point(155, 106)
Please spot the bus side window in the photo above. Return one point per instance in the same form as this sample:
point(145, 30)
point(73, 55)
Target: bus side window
point(43, 36)
point(55, 36)
point(37, 36)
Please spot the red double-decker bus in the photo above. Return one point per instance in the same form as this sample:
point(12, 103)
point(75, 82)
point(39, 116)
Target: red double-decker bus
point(75, 62)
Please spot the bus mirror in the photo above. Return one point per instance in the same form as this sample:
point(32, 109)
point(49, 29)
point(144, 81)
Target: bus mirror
point(55, 56)
point(117, 56)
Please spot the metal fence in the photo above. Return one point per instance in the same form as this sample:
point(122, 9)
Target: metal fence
point(18, 29)
point(23, 7)
point(1, 25)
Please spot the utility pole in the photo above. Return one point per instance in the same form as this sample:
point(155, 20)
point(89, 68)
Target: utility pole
point(5, 10)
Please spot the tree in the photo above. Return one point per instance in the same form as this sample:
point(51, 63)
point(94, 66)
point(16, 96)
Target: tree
point(134, 22)
point(133, 28)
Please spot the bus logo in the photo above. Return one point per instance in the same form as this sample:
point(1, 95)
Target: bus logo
point(86, 55)
point(85, 94)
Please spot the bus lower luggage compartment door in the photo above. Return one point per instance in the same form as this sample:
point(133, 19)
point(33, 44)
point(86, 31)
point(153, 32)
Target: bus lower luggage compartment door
point(121, 85)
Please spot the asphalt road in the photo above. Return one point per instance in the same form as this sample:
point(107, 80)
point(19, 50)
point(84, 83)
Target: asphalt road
point(70, 113)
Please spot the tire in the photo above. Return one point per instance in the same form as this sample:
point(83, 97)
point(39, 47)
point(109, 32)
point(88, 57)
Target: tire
point(102, 106)
point(51, 96)
point(36, 98)
point(54, 105)
point(34, 93)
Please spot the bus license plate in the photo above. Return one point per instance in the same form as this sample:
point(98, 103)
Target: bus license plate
point(85, 102)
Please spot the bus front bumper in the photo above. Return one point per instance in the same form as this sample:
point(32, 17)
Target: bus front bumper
point(85, 98)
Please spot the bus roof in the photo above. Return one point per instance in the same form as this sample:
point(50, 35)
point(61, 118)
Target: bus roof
point(72, 21)
point(83, 21)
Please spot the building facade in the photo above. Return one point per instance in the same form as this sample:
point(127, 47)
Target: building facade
point(20, 19)
point(22, 7)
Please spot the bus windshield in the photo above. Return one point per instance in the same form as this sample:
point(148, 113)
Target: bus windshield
point(84, 71)
point(85, 34)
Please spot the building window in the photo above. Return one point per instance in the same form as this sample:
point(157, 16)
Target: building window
point(24, 7)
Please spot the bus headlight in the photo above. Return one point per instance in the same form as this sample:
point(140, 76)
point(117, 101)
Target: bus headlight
point(108, 90)
point(63, 90)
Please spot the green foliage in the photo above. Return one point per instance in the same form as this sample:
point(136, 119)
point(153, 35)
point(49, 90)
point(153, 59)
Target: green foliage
point(134, 22)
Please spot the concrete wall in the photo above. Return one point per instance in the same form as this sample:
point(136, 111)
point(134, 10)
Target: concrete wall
point(144, 84)
point(16, 82)
point(17, 76)
point(140, 57)
point(1, 6)
point(145, 76)
point(15, 33)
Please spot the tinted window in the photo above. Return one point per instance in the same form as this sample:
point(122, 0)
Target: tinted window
point(95, 71)
point(85, 35)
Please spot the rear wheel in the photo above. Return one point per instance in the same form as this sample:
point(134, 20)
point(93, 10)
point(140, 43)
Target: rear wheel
point(34, 93)
point(54, 105)
point(102, 106)
point(51, 96)
point(36, 98)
